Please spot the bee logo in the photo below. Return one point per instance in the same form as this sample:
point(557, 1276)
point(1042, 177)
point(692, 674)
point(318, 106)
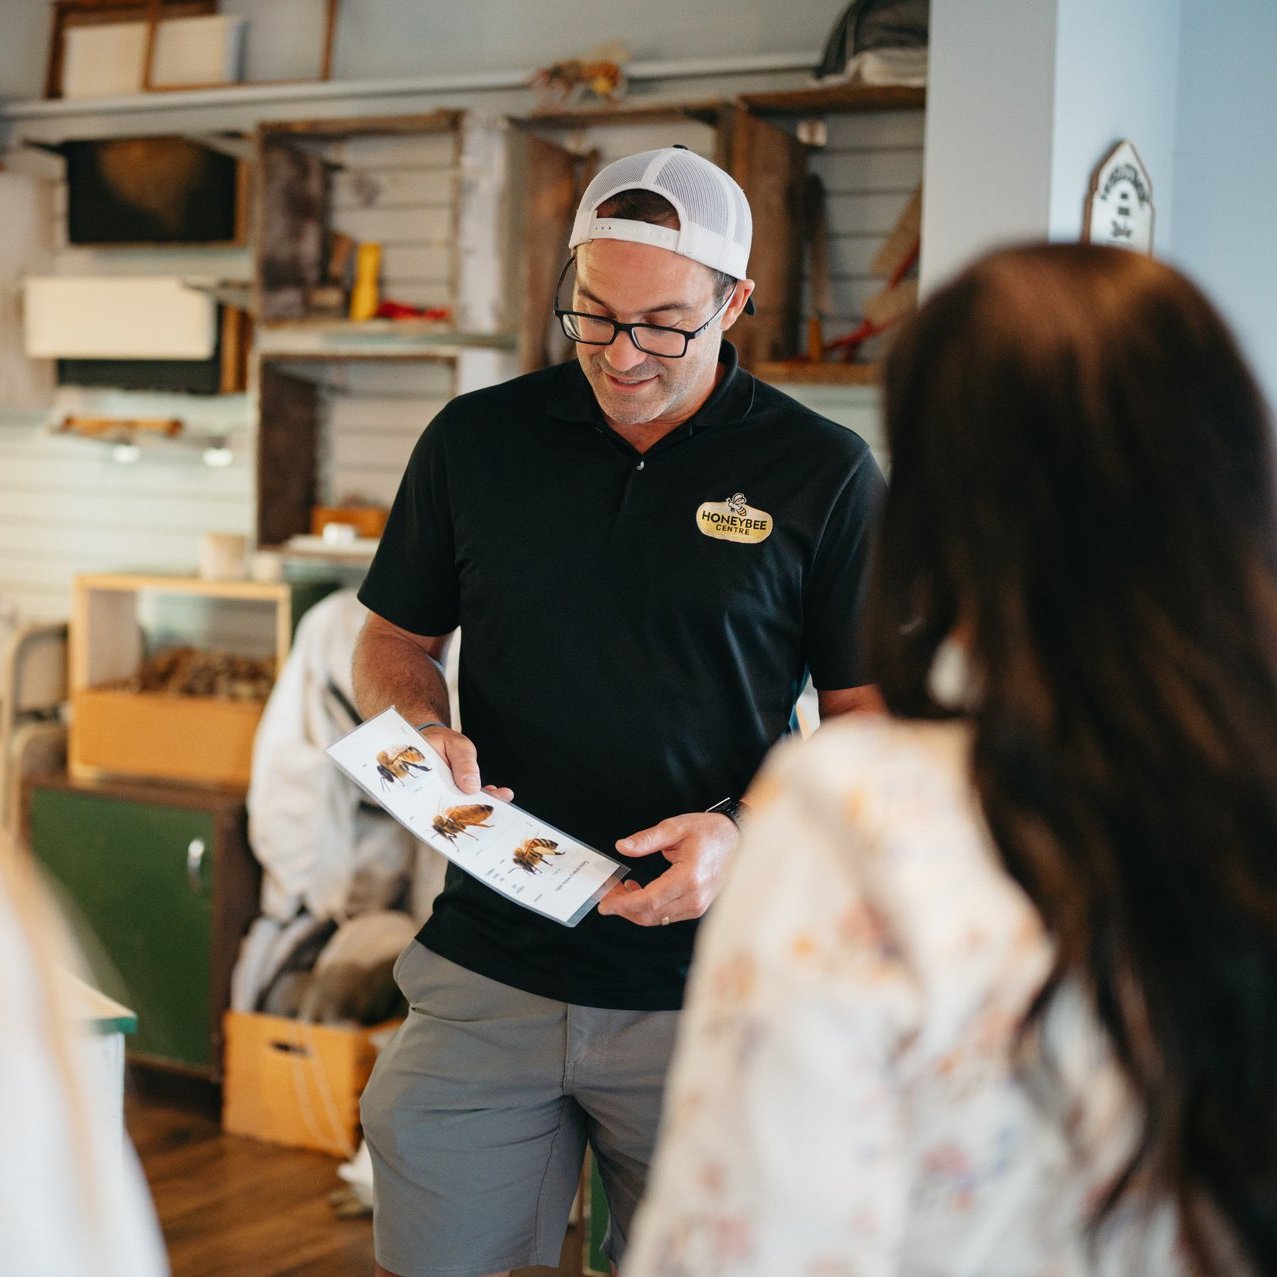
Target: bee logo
point(736, 503)
point(400, 764)
point(456, 821)
point(530, 855)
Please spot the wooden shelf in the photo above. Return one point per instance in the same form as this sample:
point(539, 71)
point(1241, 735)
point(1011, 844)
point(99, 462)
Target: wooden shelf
point(371, 339)
point(827, 374)
point(823, 98)
point(442, 121)
point(131, 582)
point(707, 112)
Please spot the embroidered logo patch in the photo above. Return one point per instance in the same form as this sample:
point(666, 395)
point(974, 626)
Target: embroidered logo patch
point(734, 520)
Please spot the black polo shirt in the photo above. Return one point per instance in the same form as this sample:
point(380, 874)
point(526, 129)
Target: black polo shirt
point(636, 629)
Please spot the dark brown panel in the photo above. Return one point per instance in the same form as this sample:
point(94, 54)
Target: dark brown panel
point(286, 456)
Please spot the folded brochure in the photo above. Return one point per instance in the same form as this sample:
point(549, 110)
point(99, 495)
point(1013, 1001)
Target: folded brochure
point(506, 848)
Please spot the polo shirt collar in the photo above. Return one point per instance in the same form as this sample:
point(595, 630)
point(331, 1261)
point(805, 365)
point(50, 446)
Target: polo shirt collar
point(572, 399)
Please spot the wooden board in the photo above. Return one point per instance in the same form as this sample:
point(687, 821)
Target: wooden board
point(769, 164)
point(191, 739)
point(823, 98)
point(70, 13)
point(552, 179)
point(294, 205)
point(287, 465)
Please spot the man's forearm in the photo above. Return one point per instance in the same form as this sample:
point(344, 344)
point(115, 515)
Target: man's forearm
point(392, 670)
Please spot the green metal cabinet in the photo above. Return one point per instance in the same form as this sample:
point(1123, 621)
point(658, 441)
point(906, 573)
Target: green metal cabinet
point(161, 887)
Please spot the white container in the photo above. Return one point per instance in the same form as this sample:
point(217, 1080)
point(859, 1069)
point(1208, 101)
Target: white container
point(117, 317)
point(223, 556)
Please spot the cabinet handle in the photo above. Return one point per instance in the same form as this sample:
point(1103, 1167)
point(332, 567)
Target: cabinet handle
point(194, 862)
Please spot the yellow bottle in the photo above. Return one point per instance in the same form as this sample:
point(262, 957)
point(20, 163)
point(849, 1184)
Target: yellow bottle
point(363, 296)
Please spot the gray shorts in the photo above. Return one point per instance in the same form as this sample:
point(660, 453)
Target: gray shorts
point(479, 1110)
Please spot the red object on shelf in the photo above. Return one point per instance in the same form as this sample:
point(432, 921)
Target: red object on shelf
point(399, 310)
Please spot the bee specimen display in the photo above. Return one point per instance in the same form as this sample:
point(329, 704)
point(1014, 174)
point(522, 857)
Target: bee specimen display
point(400, 764)
point(457, 820)
point(503, 846)
point(531, 854)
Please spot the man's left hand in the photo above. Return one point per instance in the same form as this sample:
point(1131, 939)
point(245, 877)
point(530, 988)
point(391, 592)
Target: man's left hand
point(699, 848)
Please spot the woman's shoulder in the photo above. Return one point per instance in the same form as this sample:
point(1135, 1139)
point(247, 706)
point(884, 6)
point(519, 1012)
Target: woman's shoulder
point(876, 768)
point(885, 808)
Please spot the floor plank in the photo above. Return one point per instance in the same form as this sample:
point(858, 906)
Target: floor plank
point(237, 1207)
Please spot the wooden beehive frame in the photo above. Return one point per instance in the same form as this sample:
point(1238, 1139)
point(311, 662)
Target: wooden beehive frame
point(71, 13)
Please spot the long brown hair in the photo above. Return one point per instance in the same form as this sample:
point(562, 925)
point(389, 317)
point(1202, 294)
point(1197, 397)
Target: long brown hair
point(1083, 481)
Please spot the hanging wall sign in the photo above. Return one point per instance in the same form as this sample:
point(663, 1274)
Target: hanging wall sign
point(1120, 208)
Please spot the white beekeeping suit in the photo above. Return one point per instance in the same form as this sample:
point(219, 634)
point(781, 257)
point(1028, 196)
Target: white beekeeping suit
point(321, 844)
point(326, 851)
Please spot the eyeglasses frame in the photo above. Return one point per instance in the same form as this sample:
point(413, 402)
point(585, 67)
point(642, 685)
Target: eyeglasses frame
point(628, 329)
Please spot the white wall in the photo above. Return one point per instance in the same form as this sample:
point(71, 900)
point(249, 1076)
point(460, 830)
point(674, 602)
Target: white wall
point(1026, 96)
point(990, 89)
point(1023, 102)
point(1226, 168)
point(1116, 67)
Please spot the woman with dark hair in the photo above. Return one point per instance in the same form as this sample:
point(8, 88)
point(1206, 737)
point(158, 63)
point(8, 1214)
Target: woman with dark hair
point(993, 986)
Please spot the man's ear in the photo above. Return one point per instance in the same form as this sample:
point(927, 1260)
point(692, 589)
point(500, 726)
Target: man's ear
point(742, 293)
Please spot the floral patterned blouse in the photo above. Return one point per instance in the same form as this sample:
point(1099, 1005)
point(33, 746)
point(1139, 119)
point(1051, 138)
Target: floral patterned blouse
point(846, 1099)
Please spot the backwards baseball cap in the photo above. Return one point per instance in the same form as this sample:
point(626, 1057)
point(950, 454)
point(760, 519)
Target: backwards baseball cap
point(714, 222)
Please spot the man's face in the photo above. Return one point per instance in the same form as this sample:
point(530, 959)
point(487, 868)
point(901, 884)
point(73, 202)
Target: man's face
point(640, 283)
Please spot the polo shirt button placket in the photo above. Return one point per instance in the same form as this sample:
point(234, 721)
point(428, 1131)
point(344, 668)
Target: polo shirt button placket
point(640, 465)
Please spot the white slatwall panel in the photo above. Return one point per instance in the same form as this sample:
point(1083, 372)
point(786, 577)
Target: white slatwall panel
point(66, 508)
point(401, 192)
point(369, 426)
point(870, 167)
point(244, 627)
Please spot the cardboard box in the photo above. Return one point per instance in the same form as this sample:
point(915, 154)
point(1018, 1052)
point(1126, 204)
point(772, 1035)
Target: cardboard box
point(367, 520)
point(289, 1082)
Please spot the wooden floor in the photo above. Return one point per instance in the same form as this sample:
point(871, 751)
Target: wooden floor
point(235, 1207)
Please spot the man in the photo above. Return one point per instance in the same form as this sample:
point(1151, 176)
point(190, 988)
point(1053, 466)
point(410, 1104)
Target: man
point(647, 550)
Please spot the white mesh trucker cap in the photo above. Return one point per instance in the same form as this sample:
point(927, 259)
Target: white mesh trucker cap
point(715, 226)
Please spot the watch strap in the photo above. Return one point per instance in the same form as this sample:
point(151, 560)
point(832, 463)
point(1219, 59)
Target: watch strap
point(732, 808)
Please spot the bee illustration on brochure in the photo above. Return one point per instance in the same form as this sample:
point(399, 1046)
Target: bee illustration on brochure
point(405, 765)
point(507, 848)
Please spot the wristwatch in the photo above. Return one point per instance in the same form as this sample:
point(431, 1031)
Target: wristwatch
point(732, 808)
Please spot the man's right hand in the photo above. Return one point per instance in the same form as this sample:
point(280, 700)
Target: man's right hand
point(459, 753)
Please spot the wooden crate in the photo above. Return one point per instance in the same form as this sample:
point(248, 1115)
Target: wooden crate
point(197, 740)
point(290, 1082)
point(184, 738)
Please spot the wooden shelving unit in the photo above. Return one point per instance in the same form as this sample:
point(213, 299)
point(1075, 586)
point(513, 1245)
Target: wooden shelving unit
point(710, 111)
point(812, 374)
point(786, 107)
point(398, 180)
point(821, 99)
point(372, 339)
point(189, 739)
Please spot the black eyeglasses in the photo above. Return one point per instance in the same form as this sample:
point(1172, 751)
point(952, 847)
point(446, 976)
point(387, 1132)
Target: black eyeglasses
point(652, 339)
